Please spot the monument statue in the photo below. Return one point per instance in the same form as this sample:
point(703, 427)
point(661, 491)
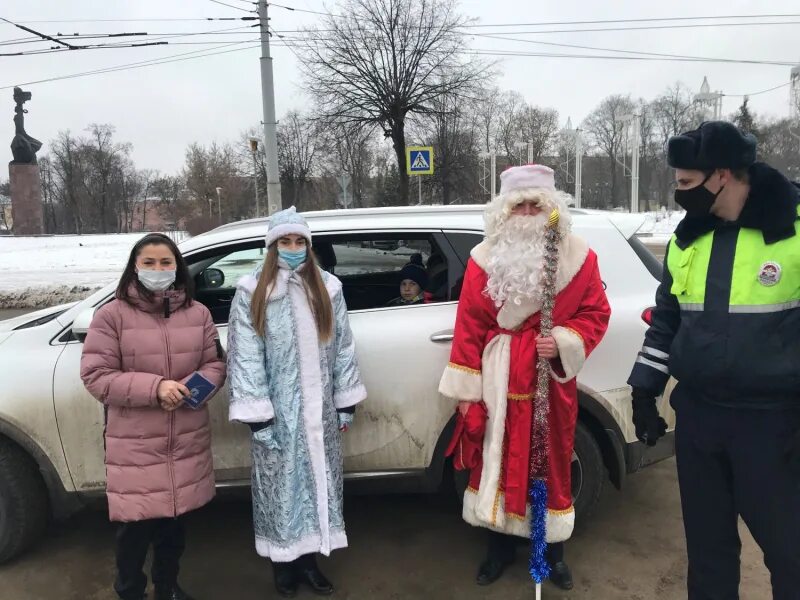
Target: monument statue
point(26, 187)
point(23, 147)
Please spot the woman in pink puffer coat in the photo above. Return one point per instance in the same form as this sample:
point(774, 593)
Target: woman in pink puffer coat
point(140, 350)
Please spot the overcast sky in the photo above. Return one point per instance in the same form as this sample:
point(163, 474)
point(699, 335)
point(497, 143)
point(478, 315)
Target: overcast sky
point(161, 109)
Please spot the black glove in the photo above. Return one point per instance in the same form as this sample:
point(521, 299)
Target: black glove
point(792, 453)
point(649, 424)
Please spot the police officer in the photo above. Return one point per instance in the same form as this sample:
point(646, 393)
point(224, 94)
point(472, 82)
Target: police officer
point(727, 327)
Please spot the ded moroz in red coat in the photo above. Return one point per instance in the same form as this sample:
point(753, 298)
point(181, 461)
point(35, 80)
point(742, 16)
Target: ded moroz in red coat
point(493, 359)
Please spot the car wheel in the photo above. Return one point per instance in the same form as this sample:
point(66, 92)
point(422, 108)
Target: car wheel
point(588, 474)
point(23, 501)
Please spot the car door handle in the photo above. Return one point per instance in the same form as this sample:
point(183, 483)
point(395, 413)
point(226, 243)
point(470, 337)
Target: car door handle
point(442, 336)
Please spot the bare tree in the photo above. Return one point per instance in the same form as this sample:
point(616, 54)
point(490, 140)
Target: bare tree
point(384, 60)
point(298, 144)
point(104, 161)
point(170, 193)
point(455, 135)
point(487, 115)
point(672, 113)
point(350, 151)
point(67, 161)
point(607, 128)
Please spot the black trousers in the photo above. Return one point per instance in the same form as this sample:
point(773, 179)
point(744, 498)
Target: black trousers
point(731, 463)
point(167, 536)
point(503, 548)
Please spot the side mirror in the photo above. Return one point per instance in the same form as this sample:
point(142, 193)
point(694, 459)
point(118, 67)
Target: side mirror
point(80, 326)
point(213, 278)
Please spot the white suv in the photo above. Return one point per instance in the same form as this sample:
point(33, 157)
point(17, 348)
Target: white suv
point(51, 429)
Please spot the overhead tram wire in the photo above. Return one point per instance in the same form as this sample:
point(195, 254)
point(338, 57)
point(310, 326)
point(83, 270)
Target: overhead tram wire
point(231, 6)
point(155, 41)
point(772, 89)
point(130, 66)
point(623, 51)
point(476, 25)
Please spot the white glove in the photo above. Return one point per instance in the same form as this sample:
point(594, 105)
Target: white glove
point(345, 420)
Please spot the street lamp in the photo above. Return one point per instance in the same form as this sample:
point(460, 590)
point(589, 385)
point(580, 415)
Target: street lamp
point(254, 150)
point(219, 205)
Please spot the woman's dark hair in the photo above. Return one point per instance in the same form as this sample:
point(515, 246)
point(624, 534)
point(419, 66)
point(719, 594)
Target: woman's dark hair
point(183, 280)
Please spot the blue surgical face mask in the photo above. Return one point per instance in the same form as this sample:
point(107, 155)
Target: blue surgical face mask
point(293, 259)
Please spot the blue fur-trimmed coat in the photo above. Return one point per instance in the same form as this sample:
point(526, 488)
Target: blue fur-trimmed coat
point(290, 377)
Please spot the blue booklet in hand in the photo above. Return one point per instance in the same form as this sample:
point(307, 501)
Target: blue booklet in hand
point(200, 389)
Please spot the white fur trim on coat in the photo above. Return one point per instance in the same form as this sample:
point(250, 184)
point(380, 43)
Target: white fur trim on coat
point(349, 397)
point(558, 524)
point(251, 410)
point(307, 545)
point(571, 351)
point(311, 390)
point(571, 256)
point(462, 384)
point(496, 362)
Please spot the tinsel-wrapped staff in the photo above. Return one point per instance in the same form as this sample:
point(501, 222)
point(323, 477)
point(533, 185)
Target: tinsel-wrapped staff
point(538, 565)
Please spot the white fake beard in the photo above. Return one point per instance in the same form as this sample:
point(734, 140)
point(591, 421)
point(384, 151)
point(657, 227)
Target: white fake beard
point(516, 259)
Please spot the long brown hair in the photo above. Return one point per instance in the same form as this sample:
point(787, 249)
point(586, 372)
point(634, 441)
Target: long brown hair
point(316, 292)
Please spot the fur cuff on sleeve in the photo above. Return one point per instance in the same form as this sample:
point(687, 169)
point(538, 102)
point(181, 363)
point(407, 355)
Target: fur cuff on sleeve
point(461, 383)
point(251, 410)
point(349, 397)
point(571, 352)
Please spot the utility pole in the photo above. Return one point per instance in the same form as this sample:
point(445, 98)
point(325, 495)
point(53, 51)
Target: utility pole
point(219, 205)
point(493, 174)
point(274, 203)
point(530, 152)
point(635, 152)
point(254, 150)
point(578, 168)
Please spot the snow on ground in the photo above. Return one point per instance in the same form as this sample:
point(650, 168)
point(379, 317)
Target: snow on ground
point(659, 226)
point(37, 272)
point(42, 271)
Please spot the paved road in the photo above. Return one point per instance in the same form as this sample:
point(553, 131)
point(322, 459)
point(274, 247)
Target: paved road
point(657, 248)
point(402, 548)
point(11, 313)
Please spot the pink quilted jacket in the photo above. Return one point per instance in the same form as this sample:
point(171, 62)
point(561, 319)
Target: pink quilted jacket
point(158, 463)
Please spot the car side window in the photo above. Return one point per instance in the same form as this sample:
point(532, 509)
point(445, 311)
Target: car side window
point(370, 265)
point(462, 243)
point(216, 273)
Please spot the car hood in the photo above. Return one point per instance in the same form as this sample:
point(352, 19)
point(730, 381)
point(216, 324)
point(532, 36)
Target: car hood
point(8, 326)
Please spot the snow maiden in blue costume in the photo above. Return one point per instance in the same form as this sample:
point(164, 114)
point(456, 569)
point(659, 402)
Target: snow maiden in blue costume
point(294, 380)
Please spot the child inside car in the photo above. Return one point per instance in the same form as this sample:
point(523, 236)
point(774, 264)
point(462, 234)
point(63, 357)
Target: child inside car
point(413, 279)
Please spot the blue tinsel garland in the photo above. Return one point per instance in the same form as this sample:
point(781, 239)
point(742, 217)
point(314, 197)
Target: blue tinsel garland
point(538, 566)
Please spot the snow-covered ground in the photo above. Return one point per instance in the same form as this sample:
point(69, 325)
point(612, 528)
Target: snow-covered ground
point(37, 272)
point(659, 226)
point(42, 271)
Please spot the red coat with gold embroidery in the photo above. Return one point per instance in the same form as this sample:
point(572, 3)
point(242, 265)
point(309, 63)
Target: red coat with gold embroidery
point(493, 361)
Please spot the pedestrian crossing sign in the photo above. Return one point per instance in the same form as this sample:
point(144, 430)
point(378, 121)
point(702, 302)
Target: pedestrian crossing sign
point(419, 160)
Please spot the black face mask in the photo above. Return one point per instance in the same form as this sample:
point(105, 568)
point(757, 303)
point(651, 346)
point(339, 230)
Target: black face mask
point(697, 201)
